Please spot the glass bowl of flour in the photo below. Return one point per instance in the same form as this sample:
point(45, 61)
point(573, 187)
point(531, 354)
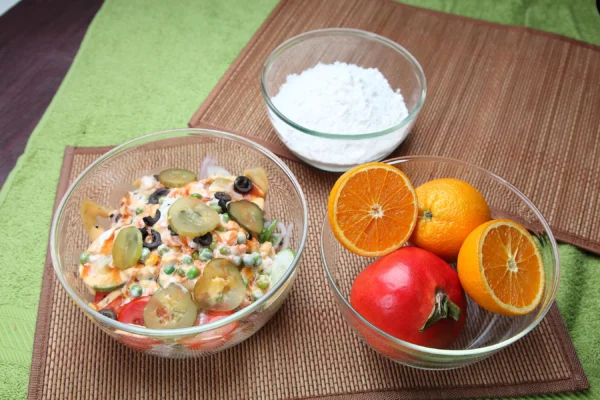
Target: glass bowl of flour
point(339, 98)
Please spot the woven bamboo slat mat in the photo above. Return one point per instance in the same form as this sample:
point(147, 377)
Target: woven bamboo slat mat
point(518, 102)
point(305, 351)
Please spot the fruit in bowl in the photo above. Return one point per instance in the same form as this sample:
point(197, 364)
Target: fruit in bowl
point(414, 295)
point(411, 293)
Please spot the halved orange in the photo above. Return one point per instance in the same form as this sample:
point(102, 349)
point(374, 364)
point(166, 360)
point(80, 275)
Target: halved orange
point(372, 209)
point(501, 269)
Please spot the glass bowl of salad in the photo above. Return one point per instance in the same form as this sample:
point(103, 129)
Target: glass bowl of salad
point(484, 332)
point(181, 243)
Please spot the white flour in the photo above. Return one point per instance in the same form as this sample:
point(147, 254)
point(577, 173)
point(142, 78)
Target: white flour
point(340, 98)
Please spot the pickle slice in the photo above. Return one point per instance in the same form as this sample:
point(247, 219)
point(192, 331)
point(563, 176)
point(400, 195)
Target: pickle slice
point(170, 308)
point(221, 287)
point(247, 214)
point(189, 216)
point(127, 248)
point(175, 177)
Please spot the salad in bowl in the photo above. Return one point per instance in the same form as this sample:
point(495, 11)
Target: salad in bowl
point(181, 250)
point(181, 243)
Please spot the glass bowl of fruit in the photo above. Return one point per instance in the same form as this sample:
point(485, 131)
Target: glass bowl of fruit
point(436, 263)
point(181, 243)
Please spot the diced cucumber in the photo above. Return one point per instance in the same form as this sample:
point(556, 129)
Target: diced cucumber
point(103, 278)
point(108, 288)
point(281, 263)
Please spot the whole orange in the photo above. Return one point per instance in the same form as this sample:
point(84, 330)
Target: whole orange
point(448, 210)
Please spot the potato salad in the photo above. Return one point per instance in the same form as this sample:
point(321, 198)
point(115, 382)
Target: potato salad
point(181, 250)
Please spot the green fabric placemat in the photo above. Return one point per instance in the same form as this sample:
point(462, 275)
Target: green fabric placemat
point(144, 66)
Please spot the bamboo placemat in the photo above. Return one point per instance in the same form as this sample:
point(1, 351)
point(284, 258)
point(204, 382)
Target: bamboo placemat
point(305, 351)
point(516, 101)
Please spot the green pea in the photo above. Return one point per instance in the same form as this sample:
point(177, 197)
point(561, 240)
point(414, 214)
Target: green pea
point(135, 290)
point(163, 249)
point(196, 255)
point(84, 257)
point(206, 255)
point(186, 259)
point(169, 269)
point(225, 251)
point(145, 254)
point(237, 260)
point(213, 245)
point(192, 273)
point(225, 217)
point(257, 259)
point(263, 282)
point(138, 211)
point(161, 200)
point(216, 207)
point(196, 195)
point(220, 229)
point(180, 272)
point(248, 260)
point(241, 238)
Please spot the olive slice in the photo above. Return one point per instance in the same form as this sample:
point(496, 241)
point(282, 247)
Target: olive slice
point(127, 248)
point(150, 221)
point(158, 193)
point(175, 177)
point(204, 240)
point(156, 240)
point(189, 216)
point(221, 287)
point(247, 214)
point(242, 184)
point(90, 211)
point(170, 308)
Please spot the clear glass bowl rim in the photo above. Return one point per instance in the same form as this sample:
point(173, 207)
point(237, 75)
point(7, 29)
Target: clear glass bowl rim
point(350, 32)
point(165, 333)
point(469, 352)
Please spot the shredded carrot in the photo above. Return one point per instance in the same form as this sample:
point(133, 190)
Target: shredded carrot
point(85, 271)
point(107, 246)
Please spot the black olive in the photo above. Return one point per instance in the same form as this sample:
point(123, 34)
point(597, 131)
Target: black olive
point(118, 217)
point(155, 177)
point(204, 240)
point(172, 232)
point(154, 197)
point(108, 313)
point(242, 184)
point(156, 240)
point(223, 198)
point(249, 236)
point(151, 221)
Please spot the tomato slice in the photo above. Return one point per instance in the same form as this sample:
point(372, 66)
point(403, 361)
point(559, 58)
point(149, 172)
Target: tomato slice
point(212, 339)
point(133, 312)
point(138, 342)
point(100, 296)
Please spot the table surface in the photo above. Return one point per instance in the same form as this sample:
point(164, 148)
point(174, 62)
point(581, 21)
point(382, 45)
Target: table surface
point(38, 41)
